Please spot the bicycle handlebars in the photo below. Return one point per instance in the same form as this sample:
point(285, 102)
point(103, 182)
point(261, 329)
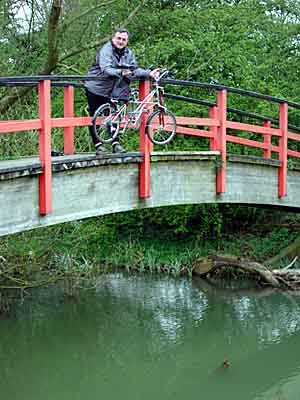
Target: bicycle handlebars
point(165, 73)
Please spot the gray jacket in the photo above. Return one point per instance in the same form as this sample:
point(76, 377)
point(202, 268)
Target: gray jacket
point(107, 68)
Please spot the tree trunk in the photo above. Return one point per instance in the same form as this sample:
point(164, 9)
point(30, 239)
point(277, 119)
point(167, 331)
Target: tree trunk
point(53, 57)
point(50, 63)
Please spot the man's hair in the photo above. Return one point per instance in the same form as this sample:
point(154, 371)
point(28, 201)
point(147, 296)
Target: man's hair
point(120, 30)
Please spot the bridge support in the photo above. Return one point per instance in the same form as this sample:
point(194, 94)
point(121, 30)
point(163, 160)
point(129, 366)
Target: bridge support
point(221, 140)
point(45, 188)
point(283, 150)
point(267, 141)
point(213, 114)
point(69, 112)
point(145, 148)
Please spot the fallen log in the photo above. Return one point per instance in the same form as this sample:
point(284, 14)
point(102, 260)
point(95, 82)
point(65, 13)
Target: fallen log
point(277, 278)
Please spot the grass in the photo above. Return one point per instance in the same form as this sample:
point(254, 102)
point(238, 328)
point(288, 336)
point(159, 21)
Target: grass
point(96, 242)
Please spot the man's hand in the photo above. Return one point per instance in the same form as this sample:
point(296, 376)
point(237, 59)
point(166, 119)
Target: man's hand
point(126, 72)
point(155, 73)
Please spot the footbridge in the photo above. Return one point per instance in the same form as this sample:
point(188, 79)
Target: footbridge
point(41, 189)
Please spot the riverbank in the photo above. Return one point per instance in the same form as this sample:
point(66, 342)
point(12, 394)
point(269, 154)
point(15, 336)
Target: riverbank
point(78, 251)
point(94, 243)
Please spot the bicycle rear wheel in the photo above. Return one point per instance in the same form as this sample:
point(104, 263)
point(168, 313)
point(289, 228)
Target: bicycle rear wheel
point(106, 123)
point(161, 127)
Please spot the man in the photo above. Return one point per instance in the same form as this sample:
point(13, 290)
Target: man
point(109, 59)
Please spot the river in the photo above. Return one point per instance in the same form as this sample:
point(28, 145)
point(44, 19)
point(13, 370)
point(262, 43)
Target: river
point(148, 337)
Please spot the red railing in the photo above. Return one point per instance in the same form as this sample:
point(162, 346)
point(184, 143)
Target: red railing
point(44, 125)
point(218, 136)
point(217, 124)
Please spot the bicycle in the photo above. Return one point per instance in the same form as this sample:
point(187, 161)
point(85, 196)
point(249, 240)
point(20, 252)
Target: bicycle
point(113, 118)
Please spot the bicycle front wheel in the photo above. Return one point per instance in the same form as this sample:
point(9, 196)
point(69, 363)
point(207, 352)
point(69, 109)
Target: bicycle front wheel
point(106, 123)
point(161, 127)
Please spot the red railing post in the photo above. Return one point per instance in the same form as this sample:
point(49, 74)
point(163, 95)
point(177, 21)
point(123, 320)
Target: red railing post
point(283, 144)
point(69, 112)
point(213, 113)
point(145, 147)
point(221, 140)
point(267, 140)
point(45, 147)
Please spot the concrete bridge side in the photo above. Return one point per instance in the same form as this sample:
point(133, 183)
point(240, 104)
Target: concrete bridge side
point(86, 186)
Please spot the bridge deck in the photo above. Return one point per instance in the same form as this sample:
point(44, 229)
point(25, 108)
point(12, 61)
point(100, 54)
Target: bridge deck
point(10, 169)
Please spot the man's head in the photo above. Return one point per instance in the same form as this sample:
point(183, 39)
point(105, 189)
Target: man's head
point(120, 38)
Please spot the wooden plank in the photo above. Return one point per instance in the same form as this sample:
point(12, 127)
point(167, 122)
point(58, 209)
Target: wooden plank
point(18, 126)
point(248, 142)
point(293, 153)
point(293, 136)
point(197, 121)
point(252, 128)
point(194, 132)
point(68, 122)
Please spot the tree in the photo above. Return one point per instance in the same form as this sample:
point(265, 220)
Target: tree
point(48, 35)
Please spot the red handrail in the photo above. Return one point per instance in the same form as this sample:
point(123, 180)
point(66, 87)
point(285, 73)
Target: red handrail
point(219, 137)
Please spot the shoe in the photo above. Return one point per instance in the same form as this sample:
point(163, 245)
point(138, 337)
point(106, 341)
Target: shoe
point(101, 149)
point(56, 153)
point(117, 148)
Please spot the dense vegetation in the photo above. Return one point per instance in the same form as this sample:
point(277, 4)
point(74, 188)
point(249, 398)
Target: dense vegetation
point(252, 44)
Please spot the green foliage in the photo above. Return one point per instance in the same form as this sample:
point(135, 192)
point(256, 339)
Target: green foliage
point(175, 222)
point(249, 44)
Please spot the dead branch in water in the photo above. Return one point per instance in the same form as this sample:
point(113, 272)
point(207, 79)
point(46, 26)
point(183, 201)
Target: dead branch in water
point(277, 278)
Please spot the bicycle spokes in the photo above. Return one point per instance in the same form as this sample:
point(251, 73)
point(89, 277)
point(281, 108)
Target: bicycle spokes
point(161, 127)
point(106, 124)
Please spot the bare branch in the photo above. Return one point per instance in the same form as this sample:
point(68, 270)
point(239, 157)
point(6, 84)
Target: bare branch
point(66, 25)
point(52, 61)
point(101, 41)
point(70, 68)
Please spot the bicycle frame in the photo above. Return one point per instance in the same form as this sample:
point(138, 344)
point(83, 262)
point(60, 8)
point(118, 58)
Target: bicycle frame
point(116, 117)
point(153, 100)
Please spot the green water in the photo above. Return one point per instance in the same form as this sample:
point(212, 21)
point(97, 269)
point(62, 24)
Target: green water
point(146, 337)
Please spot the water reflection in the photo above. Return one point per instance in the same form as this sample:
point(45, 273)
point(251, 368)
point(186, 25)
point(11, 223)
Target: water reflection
point(270, 313)
point(147, 336)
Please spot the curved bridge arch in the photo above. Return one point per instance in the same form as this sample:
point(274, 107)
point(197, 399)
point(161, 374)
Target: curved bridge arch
point(85, 186)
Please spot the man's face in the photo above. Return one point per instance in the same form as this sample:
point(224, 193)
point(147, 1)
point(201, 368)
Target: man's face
point(120, 40)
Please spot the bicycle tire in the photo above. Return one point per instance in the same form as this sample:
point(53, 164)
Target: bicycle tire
point(107, 129)
point(161, 127)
